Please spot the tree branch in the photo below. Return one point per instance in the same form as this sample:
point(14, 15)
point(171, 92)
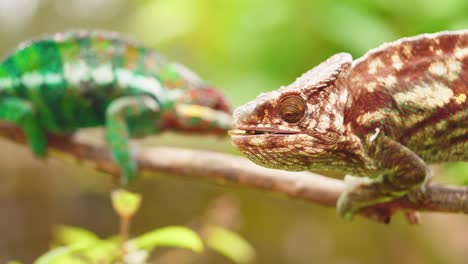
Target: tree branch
point(221, 168)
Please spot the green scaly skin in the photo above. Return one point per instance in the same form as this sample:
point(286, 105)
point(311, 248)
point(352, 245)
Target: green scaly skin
point(73, 80)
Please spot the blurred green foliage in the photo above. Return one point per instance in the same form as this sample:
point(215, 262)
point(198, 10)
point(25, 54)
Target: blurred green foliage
point(73, 245)
point(229, 244)
point(249, 46)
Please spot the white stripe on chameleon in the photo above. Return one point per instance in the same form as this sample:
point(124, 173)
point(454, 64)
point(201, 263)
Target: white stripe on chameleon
point(53, 78)
point(8, 83)
point(149, 84)
point(426, 96)
point(103, 74)
point(126, 78)
point(35, 79)
point(76, 73)
point(32, 79)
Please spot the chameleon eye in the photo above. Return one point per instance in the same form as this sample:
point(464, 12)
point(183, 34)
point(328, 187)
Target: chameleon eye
point(292, 108)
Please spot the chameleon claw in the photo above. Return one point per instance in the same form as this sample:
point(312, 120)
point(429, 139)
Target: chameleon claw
point(344, 207)
point(348, 203)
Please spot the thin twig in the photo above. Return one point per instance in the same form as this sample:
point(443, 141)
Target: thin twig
point(222, 168)
point(124, 232)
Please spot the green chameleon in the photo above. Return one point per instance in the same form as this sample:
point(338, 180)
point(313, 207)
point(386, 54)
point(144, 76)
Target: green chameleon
point(73, 80)
point(386, 116)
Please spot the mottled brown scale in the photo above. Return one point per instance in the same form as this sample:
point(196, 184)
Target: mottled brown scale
point(389, 113)
point(414, 71)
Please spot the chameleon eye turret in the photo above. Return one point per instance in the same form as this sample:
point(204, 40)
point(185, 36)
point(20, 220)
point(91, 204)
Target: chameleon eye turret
point(89, 79)
point(386, 116)
point(292, 108)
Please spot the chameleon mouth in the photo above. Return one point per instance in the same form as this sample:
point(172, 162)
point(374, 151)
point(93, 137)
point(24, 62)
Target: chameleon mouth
point(259, 131)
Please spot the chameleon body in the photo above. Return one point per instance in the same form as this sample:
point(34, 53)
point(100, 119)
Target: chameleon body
point(386, 116)
point(67, 81)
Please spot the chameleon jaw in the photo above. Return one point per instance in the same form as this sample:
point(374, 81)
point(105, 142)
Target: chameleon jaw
point(270, 149)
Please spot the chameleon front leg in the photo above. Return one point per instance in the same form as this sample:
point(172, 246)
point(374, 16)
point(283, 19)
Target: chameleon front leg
point(402, 171)
point(22, 113)
point(126, 117)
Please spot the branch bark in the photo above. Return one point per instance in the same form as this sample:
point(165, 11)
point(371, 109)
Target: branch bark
point(222, 168)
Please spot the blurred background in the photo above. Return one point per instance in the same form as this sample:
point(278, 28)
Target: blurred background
point(244, 47)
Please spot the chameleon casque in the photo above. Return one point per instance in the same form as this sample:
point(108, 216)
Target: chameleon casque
point(385, 115)
point(78, 79)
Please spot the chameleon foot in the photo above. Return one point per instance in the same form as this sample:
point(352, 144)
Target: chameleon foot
point(369, 197)
point(344, 207)
point(359, 194)
point(347, 205)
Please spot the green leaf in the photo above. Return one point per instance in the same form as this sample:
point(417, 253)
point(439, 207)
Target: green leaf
point(171, 236)
point(80, 245)
point(125, 203)
point(63, 255)
point(104, 251)
point(229, 244)
point(69, 235)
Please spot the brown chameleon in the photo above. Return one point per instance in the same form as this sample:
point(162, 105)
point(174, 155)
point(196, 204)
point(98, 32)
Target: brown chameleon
point(384, 117)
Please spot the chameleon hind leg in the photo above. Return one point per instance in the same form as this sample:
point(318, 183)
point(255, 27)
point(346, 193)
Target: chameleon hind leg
point(127, 117)
point(404, 171)
point(22, 113)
